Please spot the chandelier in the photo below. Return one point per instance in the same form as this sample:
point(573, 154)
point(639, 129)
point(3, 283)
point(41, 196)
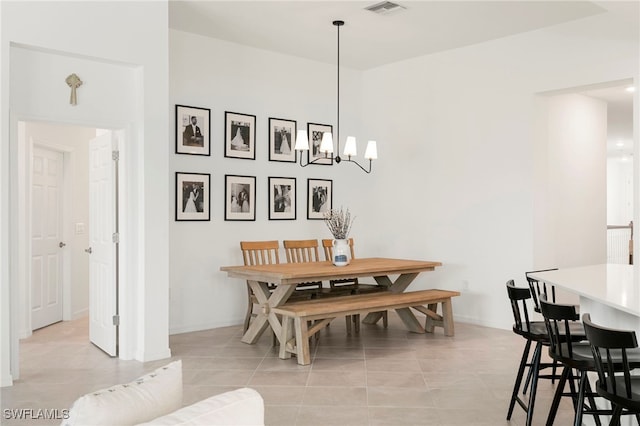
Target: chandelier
point(326, 146)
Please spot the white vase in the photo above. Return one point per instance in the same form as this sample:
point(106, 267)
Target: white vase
point(340, 253)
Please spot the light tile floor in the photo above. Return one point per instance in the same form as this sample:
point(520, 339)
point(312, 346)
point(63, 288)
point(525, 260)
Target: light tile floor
point(377, 377)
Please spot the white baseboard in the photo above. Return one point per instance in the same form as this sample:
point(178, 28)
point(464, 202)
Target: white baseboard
point(481, 322)
point(80, 314)
point(204, 326)
point(163, 354)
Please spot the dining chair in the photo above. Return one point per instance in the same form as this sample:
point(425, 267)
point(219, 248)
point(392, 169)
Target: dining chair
point(568, 346)
point(613, 352)
point(352, 285)
point(308, 251)
point(299, 251)
point(532, 332)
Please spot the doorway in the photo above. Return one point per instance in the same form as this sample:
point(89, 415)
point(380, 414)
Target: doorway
point(619, 168)
point(580, 132)
point(81, 193)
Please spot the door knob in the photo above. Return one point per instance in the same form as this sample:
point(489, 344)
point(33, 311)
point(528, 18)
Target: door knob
point(61, 244)
point(88, 250)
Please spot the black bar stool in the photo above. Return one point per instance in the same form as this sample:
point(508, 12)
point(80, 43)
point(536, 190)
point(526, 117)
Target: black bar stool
point(531, 331)
point(569, 347)
point(613, 352)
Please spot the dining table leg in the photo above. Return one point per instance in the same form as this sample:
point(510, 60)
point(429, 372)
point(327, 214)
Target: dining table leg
point(398, 286)
point(267, 300)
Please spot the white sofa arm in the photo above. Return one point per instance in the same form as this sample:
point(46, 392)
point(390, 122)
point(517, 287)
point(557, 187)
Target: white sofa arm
point(243, 407)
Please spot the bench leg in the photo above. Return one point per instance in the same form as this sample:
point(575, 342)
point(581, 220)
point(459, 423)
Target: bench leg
point(286, 337)
point(447, 317)
point(302, 341)
point(434, 320)
point(430, 323)
point(410, 321)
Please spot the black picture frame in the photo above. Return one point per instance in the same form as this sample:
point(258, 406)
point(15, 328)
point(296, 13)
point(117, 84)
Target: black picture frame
point(239, 135)
point(282, 134)
point(315, 132)
point(319, 198)
point(193, 196)
point(193, 138)
point(282, 198)
point(240, 197)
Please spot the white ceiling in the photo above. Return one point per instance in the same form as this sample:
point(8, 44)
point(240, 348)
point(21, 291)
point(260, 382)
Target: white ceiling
point(304, 28)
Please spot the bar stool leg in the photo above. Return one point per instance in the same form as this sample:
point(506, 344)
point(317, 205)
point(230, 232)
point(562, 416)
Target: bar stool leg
point(534, 383)
point(516, 386)
point(585, 389)
point(557, 396)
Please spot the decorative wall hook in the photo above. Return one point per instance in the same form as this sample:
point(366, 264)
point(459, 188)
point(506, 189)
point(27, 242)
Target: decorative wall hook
point(74, 82)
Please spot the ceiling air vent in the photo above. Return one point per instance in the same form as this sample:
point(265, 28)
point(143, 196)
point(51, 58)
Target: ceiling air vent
point(385, 8)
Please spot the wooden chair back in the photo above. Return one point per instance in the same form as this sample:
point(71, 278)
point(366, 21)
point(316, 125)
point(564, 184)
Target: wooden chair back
point(327, 245)
point(299, 251)
point(260, 252)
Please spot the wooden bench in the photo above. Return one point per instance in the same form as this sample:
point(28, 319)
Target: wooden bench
point(295, 316)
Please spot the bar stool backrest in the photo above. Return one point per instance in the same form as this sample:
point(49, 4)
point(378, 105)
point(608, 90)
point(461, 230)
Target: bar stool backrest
point(609, 347)
point(539, 289)
point(518, 297)
point(557, 319)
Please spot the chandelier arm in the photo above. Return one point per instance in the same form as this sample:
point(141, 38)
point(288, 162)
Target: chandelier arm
point(314, 161)
point(358, 164)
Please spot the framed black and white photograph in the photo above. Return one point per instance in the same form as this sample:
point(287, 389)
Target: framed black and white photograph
point(282, 198)
point(193, 134)
point(240, 197)
point(315, 132)
point(193, 196)
point(319, 197)
point(239, 135)
point(282, 135)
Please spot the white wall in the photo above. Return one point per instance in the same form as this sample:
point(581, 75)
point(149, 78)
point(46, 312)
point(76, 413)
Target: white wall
point(576, 180)
point(96, 38)
point(237, 78)
point(465, 182)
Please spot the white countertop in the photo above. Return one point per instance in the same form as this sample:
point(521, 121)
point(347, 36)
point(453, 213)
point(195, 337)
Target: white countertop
point(613, 285)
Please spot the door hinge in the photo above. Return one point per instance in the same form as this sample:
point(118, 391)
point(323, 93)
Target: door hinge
point(116, 320)
point(115, 155)
point(115, 237)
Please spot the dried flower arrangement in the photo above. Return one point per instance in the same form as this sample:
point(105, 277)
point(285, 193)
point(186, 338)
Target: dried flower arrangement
point(339, 222)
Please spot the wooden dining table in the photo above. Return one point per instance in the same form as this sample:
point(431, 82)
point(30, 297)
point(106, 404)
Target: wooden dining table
point(287, 275)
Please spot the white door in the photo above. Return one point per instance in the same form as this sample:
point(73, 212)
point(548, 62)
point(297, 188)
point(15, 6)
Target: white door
point(102, 250)
point(47, 246)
